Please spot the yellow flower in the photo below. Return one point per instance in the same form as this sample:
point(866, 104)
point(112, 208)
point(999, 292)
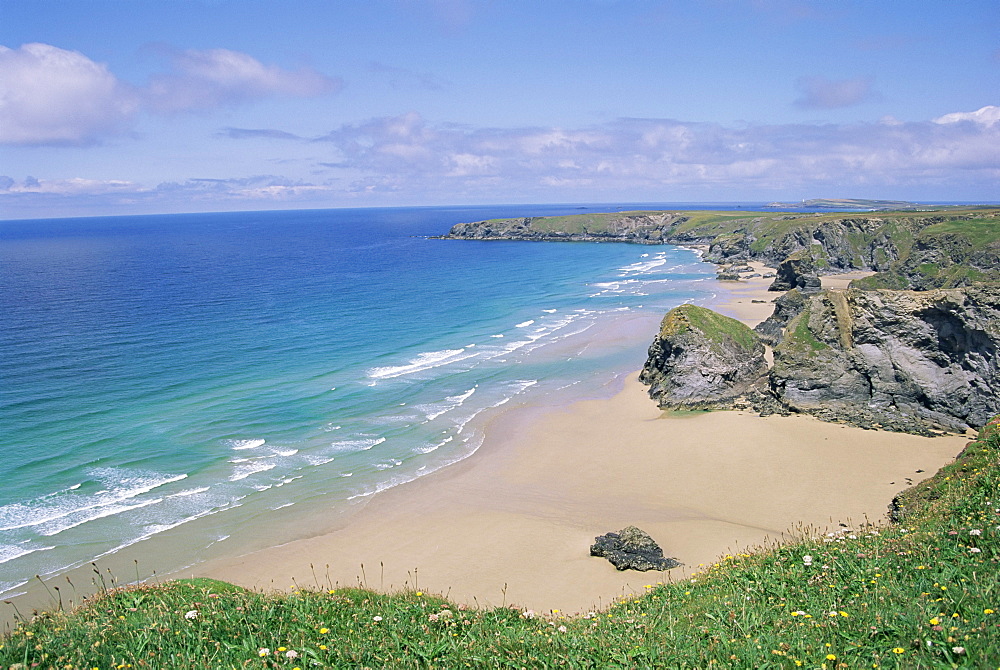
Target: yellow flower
point(323, 647)
point(324, 631)
point(831, 657)
point(987, 611)
point(898, 650)
point(934, 621)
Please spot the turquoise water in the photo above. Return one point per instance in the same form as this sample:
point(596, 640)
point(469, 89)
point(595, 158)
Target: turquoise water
point(205, 371)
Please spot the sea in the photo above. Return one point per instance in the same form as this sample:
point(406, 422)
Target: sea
point(174, 387)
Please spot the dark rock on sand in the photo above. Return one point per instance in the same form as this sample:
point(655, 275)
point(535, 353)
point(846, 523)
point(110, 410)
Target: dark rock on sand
point(632, 549)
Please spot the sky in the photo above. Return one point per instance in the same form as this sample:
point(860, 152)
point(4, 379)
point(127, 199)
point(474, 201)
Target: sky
point(141, 106)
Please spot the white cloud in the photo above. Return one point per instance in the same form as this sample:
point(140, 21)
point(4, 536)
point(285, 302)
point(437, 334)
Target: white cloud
point(823, 93)
point(216, 77)
point(49, 95)
point(986, 116)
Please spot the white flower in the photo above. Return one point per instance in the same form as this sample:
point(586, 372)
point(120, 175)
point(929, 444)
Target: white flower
point(974, 550)
point(291, 653)
point(263, 651)
point(833, 613)
point(807, 560)
point(561, 629)
point(376, 618)
point(958, 650)
point(446, 614)
point(432, 617)
point(975, 531)
point(528, 614)
point(193, 614)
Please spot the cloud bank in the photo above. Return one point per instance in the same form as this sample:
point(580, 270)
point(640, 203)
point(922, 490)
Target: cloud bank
point(50, 95)
point(407, 160)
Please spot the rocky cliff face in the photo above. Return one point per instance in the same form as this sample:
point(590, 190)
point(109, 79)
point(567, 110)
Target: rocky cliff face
point(901, 360)
point(700, 359)
point(897, 359)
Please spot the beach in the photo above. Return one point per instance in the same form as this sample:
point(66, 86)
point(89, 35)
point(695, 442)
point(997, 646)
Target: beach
point(512, 524)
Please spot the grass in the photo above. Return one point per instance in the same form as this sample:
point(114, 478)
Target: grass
point(923, 593)
point(714, 326)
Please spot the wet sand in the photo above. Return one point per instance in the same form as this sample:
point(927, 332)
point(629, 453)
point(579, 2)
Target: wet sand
point(513, 523)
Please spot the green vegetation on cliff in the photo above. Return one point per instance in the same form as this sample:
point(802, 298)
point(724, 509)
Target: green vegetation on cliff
point(923, 249)
point(922, 593)
point(714, 326)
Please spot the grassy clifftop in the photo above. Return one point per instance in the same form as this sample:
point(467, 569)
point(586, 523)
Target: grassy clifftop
point(923, 593)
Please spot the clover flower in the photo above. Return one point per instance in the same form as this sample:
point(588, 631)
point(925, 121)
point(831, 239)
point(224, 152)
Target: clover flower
point(975, 531)
point(376, 618)
point(291, 653)
point(193, 614)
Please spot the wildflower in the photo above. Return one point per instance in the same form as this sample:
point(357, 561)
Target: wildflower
point(322, 647)
point(193, 614)
point(445, 614)
point(831, 657)
point(975, 531)
point(432, 617)
point(807, 560)
point(282, 649)
point(324, 631)
point(528, 614)
point(898, 650)
point(263, 651)
point(974, 550)
point(958, 650)
point(833, 613)
point(376, 618)
point(291, 653)
point(934, 621)
point(987, 611)
point(561, 629)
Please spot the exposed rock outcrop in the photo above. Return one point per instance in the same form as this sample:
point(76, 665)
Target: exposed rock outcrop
point(700, 359)
point(796, 271)
point(632, 549)
point(902, 360)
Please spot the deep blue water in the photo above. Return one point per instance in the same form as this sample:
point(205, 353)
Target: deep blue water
point(160, 370)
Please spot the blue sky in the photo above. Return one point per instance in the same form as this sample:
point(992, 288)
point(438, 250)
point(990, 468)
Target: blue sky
point(112, 106)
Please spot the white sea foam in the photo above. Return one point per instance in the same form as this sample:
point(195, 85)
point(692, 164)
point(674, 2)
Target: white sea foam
point(8, 552)
point(432, 412)
point(434, 447)
point(497, 335)
point(189, 492)
point(330, 427)
point(244, 470)
point(549, 311)
point(525, 324)
point(245, 444)
point(424, 361)
point(120, 485)
point(363, 444)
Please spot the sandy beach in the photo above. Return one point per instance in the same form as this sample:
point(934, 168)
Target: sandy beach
point(513, 523)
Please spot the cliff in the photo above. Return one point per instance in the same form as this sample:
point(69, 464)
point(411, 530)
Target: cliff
point(700, 359)
point(905, 360)
point(916, 250)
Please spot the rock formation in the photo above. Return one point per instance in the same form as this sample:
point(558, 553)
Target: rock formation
point(899, 359)
point(700, 358)
point(632, 549)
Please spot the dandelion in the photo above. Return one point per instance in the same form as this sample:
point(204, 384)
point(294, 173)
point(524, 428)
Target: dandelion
point(324, 631)
point(934, 621)
point(898, 650)
point(420, 593)
point(987, 611)
point(831, 657)
point(193, 614)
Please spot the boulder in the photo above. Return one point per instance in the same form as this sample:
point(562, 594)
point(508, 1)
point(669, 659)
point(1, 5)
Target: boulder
point(632, 549)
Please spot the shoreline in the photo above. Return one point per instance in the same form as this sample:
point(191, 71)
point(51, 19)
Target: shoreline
point(512, 523)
